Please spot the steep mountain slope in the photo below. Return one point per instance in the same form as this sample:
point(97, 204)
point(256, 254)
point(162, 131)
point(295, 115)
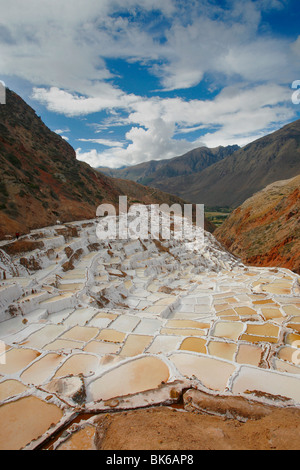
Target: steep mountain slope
point(265, 230)
point(149, 173)
point(42, 182)
point(248, 170)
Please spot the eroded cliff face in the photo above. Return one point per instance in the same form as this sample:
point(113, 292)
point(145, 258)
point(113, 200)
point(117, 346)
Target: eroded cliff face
point(265, 230)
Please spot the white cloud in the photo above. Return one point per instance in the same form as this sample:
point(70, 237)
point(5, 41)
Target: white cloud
point(63, 102)
point(61, 47)
point(240, 114)
point(62, 131)
point(109, 158)
point(64, 44)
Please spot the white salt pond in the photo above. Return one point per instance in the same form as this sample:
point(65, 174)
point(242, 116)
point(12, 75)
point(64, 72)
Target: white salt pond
point(129, 320)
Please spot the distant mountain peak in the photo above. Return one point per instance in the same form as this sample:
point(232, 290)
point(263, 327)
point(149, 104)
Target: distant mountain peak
point(154, 171)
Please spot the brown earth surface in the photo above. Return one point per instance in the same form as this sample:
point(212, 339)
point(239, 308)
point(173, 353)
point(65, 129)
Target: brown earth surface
point(175, 430)
point(166, 428)
point(265, 229)
point(197, 421)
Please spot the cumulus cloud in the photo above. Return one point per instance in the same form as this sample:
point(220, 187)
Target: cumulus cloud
point(109, 159)
point(62, 48)
point(63, 102)
point(240, 114)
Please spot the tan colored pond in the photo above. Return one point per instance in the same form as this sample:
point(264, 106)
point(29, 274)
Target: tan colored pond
point(293, 339)
point(194, 344)
point(82, 439)
point(291, 310)
point(135, 344)
point(111, 335)
point(258, 339)
point(245, 311)
point(11, 388)
point(249, 354)
point(213, 373)
point(81, 333)
point(228, 329)
point(186, 324)
point(227, 312)
point(25, 420)
point(38, 372)
point(270, 313)
point(289, 354)
point(17, 359)
point(222, 349)
point(78, 364)
point(41, 337)
point(266, 329)
point(182, 331)
point(133, 377)
point(61, 345)
point(100, 347)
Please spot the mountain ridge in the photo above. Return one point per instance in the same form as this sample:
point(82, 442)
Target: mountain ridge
point(155, 170)
point(265, 229)
point(237, 177)
point(42, 181)
point(233, 178)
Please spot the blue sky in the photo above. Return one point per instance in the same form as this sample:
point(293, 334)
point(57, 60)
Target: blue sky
point(126, 81)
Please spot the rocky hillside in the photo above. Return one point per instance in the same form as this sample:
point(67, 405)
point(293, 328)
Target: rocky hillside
point(237, 177)
point(161, 172)
point(265, 230)
point(42, 182)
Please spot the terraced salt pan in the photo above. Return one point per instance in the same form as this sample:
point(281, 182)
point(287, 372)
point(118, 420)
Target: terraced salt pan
point(41, 369)
point(135, 376)
point(81, 333)
point(134, 318)
point(222, 349)
point(16, 359)
point(80, 316)
point(38, 415)
point(212, 373)
point(43, 336)
point(11, 388)
point(102, 348)
point(64, 345)
point(228, 329)
point(250, 379)
point(85, 364)
point(135, 345)
point(249, 354)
